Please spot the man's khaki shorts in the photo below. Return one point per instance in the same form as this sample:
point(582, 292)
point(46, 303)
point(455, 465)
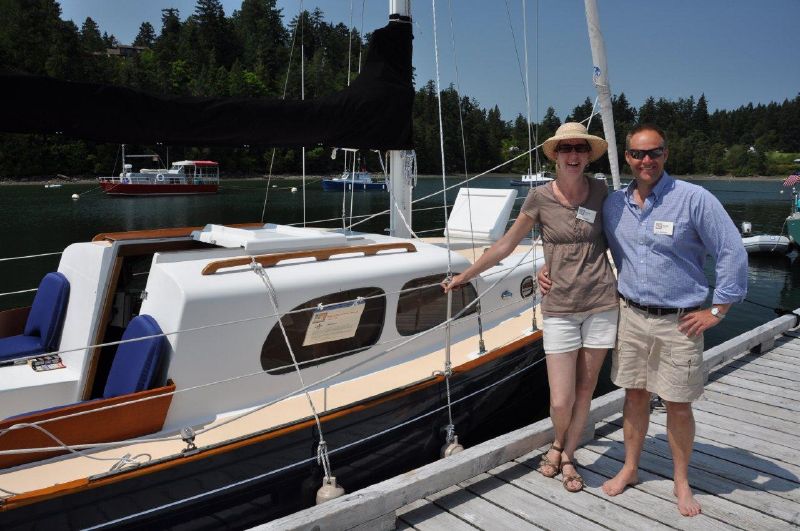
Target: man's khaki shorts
point(652, 354)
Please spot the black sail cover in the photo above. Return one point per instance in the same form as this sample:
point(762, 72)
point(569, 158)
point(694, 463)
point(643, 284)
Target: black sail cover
point(374, 112)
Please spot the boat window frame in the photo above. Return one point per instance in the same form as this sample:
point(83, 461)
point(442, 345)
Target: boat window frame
point(296, 324)
point(415, 298)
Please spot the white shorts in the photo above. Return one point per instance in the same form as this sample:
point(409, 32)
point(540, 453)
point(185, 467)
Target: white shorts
point(570, 332)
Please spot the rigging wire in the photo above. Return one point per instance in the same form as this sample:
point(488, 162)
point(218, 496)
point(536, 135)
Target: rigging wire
point(322, 448)
point(447, 363)
point(283, 97)
point(481, 342)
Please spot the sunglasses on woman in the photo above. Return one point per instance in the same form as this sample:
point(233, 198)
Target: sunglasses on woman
point(569, 148)
point(640, 154)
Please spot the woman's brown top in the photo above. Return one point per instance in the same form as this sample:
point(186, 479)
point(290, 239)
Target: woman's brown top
point(575, 251)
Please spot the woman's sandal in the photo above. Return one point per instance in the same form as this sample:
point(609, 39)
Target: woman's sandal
point(567, 479)
point(547, 462)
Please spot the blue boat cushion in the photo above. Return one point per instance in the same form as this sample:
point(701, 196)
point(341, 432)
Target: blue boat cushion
point(19, 346)
point(135, 363)
point(43, 328)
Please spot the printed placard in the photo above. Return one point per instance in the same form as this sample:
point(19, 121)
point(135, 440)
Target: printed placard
point(334, 322)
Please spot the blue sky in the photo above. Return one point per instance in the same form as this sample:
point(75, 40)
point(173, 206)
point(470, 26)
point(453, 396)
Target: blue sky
point(734, 51)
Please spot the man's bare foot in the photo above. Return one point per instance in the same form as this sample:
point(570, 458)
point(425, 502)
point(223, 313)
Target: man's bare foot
point(620, 482)
point(687, 505)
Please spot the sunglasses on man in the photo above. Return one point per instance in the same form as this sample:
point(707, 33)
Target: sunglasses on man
point(569, 148)
point(640, 154)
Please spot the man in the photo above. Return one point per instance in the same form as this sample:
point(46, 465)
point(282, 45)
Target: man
point(659, 231)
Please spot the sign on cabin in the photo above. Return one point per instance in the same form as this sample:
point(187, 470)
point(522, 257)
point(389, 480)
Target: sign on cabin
point(334, 322)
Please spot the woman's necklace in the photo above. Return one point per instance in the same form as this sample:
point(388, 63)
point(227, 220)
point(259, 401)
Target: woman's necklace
point(562, 198)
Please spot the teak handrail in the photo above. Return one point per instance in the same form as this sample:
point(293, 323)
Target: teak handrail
point(268, 260)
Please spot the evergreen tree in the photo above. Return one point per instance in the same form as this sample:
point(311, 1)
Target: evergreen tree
point(146, 36)
point(90, 36)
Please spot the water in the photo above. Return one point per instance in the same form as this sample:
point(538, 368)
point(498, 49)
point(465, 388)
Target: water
point(37, 220)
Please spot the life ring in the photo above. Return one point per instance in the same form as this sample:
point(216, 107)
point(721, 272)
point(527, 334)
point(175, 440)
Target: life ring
point(160, 177)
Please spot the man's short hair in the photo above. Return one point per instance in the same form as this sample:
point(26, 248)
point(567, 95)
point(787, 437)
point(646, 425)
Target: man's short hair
point(645, 127)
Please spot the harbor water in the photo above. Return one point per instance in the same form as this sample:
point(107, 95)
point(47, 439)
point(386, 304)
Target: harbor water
point(37, 220)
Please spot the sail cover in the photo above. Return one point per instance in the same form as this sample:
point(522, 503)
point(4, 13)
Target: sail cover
point(374, 112)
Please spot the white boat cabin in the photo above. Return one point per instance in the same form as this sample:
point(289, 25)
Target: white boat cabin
point(344, 298)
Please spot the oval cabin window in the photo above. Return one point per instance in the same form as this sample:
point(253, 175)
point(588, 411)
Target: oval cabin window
point(331, 326)
point(422, 308)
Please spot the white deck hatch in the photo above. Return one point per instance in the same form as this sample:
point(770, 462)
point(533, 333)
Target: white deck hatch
point(489, 209)
point(271, 238)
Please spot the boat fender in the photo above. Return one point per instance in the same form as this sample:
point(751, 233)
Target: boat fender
point(329, 490)
point(452, 448)
point(160, 177)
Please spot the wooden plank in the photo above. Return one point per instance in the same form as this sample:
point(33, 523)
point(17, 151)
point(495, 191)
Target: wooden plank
point(749, 367)
point(641, 511)
point(750, 471)
point(769, 379)
point(711, 483)
point(778, 355)
point(749, 446)
point(743, 428)
point(749, 394)
point(533, 509)
point(596, 456)
point(786, 351)
point(485, 514)
point(743, 404)
point(768, 389)
point(426, 516)
point(779, 365)
point(731, 411)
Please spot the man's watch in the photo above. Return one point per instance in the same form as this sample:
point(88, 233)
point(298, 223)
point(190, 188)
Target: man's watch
point(716, 313)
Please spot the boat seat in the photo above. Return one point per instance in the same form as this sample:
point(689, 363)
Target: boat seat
point(136, 363)
point(42, 331)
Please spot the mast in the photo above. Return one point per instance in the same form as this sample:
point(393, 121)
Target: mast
point(600, 78)
point(399, 178)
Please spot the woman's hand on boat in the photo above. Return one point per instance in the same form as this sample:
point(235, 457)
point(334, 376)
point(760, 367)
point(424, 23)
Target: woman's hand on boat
point(543, 278)
point(454, 283)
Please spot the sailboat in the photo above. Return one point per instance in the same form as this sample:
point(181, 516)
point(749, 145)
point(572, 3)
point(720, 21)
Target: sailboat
point(194, 375)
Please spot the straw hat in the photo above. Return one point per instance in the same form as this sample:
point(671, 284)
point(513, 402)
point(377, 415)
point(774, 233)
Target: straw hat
point(573, 131)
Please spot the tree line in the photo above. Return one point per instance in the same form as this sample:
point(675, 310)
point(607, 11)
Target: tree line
point(253, 53)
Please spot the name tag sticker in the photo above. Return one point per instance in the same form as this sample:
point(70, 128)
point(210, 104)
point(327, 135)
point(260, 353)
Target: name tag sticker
point(586, 214)
point(663, 227)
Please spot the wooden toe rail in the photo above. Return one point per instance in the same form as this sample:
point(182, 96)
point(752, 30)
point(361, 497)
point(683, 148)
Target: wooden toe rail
point(268, 260)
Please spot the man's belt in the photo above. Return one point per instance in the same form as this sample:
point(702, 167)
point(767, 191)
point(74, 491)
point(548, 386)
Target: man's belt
point(657, 310)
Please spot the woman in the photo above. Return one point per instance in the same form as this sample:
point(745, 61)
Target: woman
point(581, 309)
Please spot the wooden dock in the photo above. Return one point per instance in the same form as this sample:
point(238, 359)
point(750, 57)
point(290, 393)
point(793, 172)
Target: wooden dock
point(745, 469)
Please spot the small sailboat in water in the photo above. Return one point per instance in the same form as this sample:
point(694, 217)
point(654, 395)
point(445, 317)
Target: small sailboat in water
point(162, 377)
